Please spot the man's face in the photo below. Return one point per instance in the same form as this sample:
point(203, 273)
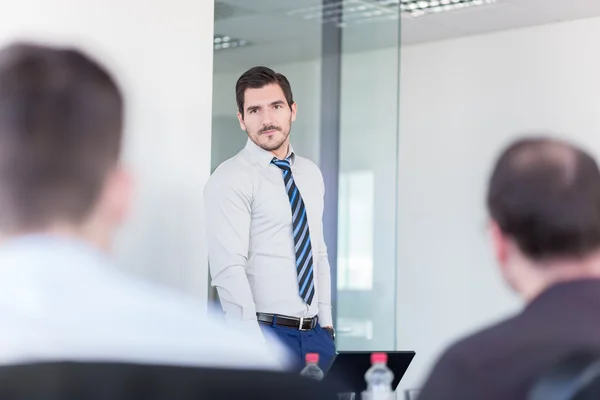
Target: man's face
point(267, 117)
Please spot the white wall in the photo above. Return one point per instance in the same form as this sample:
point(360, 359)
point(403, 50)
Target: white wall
point(162, 54)
point(461, 101)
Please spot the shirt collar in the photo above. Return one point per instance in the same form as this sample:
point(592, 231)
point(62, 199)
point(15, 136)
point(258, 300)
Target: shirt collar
point(264, 157)
point(38, 246)
point(577, 289)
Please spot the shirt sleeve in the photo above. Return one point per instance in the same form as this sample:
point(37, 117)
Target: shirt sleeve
point(323, 272)
point(228, 213)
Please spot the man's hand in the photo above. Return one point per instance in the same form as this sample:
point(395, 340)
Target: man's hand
point(330, 331)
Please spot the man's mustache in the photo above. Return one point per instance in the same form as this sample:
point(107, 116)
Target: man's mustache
point(270, 128)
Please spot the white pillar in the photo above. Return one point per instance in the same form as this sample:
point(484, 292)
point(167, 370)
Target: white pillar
point(161, 52)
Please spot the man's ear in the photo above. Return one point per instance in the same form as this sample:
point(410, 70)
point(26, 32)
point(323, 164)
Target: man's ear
point(499, 242)
point(241, 119)
point(294, 109)
point(118, 194)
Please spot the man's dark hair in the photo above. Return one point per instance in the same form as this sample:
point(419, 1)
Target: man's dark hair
point(61, 121)
point(259, 77)
point(545, 194)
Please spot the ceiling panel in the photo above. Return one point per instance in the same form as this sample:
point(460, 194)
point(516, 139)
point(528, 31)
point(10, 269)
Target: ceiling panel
point(419, 30)
point(278, 37)
point(490, 18)
point(272, 6)
point(269, 29)
point(563, 10)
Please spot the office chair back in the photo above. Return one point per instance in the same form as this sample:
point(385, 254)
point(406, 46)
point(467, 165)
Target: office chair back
point(575, 378)
point(117, 381)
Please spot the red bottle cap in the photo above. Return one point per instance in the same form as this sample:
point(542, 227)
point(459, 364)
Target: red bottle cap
point(379, 358)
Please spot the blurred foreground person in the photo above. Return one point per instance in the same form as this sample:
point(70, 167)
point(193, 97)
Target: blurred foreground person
point(544, 203)
point(63, 194)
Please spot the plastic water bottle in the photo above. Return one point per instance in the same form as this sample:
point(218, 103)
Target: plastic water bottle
point(379, 379)
point(312, 370)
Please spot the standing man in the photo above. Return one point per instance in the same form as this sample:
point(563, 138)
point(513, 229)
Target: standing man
point(268, 258)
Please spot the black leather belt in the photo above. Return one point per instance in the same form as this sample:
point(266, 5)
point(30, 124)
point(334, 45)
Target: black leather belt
point(302, 324)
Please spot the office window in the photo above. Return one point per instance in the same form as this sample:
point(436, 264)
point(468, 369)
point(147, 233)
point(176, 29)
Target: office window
point(355, 233)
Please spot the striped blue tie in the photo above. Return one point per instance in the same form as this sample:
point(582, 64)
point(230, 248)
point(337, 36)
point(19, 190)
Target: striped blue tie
point(304, 258)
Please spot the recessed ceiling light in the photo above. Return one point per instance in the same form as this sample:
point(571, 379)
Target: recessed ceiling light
point(223, 42)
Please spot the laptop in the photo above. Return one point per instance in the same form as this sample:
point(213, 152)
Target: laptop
point(348, 368)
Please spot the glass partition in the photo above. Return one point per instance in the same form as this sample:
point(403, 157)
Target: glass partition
point(341, 57)
point(367, 201)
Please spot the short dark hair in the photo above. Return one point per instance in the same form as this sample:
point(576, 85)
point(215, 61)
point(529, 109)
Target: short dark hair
point(545, 194)
point(259, 77)
point(61, 121)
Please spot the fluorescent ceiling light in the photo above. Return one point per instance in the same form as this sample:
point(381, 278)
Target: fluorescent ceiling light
point(418, 8)
point(224, 42)
point(345, 13)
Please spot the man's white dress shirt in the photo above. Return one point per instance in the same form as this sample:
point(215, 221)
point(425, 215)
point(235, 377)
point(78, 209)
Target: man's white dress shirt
point(61, 300)
point(250, 240)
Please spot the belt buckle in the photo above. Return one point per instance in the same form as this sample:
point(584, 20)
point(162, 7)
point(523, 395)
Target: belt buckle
point(301, 327)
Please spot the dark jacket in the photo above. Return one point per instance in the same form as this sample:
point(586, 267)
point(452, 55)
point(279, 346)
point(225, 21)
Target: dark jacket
point(504, 361)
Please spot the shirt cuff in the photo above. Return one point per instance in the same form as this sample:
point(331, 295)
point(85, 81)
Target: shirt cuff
point(325, 318)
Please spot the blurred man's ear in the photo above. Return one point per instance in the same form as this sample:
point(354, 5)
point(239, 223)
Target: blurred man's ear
point(117, 196)
point(111, 210)
point(499, 243)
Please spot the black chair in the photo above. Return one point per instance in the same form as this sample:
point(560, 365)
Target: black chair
point(575, 378)
point(118, 381)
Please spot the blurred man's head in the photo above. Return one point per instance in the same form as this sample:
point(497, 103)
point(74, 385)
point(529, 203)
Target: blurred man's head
point(61, 122)
point(544, 201)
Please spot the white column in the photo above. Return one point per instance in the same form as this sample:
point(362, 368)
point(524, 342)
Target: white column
point(161, 52)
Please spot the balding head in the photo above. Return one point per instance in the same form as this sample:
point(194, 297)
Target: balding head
point(545, 195)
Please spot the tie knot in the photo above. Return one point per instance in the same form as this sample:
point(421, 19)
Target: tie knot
point(282, 164)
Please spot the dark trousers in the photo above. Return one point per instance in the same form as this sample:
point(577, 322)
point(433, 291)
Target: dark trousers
point(316, 340)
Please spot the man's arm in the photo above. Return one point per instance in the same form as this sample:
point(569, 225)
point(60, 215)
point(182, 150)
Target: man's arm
point(228, 213)
point(323, 273)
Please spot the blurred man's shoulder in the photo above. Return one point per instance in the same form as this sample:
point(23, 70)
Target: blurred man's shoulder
point(486, 344)
point(180, 321)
